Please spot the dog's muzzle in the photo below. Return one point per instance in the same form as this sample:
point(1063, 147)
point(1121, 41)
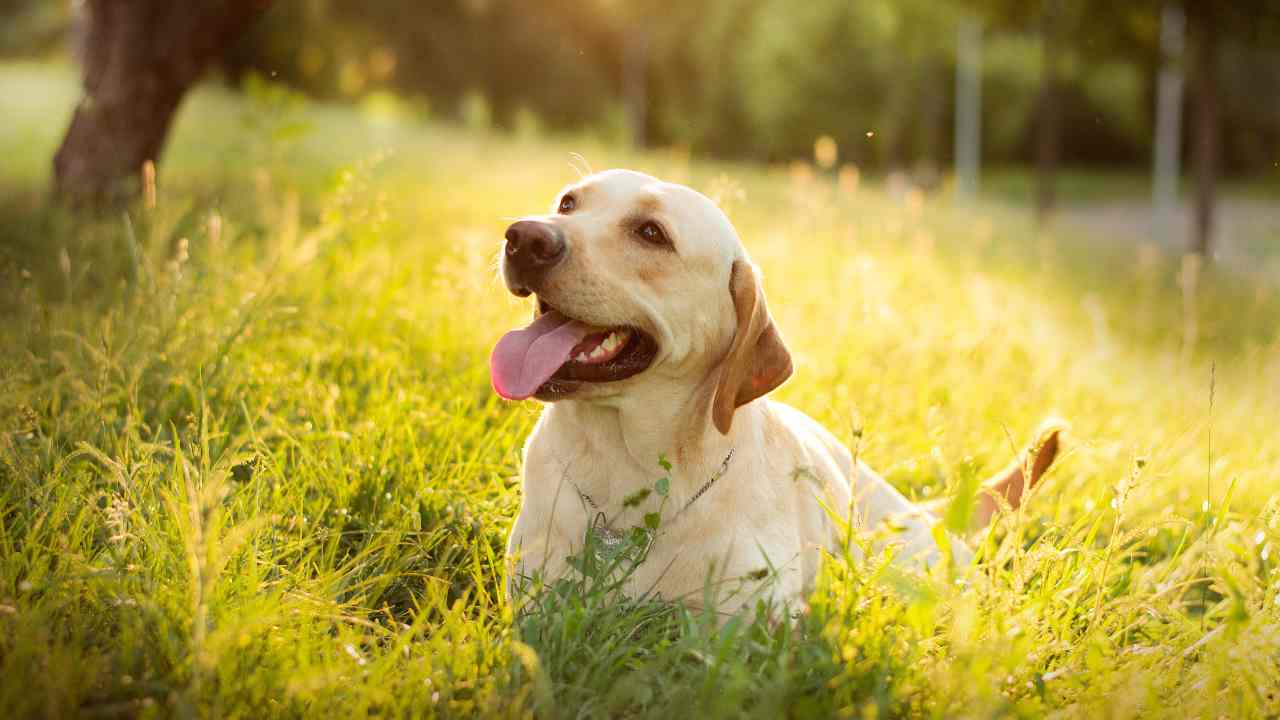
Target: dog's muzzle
point(533, 248)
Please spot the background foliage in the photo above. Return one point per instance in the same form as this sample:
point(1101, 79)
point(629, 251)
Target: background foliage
point(754, 79)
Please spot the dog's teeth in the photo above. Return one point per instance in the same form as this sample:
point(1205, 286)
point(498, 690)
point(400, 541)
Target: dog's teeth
point(610, 342)
point(599, 352)
point(581, 357)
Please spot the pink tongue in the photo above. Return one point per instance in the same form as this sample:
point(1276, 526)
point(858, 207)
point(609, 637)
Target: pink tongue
point(525, 359)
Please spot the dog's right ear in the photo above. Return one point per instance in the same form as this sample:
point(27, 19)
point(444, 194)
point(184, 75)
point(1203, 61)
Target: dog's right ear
point(758, 361)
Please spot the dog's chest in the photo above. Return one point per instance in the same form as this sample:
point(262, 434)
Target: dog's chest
point(679, 527)
point(616, 496)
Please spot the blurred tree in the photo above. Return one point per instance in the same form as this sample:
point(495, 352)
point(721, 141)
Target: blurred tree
point(1204, 20)
point(1252, 24)
point(1051, 32)
point(1053, 25)
point(632, 25)
point(691, 93)
point(763, 78)
point(1207, 25)
point(140, 56)
point(870, 74)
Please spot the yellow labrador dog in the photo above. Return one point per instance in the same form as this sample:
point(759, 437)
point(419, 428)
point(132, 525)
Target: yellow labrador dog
point(651, 339)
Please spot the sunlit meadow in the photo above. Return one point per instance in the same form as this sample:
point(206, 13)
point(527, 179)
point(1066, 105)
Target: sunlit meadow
point(250, 463)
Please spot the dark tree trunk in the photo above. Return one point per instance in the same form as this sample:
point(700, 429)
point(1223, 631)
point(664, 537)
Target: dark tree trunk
point(140, 56)
point(1047, 130)
point(1208, 136)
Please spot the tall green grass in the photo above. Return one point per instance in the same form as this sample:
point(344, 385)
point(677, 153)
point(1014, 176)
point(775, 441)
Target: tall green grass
point(250, 464)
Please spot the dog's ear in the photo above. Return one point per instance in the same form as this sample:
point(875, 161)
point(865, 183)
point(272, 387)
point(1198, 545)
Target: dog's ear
point(757, 361)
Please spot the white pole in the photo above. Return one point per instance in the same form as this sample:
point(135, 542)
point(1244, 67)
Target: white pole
point(1168, 139)
point(968, 139)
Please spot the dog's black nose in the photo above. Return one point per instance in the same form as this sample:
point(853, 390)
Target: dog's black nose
point(531, 243)
point(532, 248)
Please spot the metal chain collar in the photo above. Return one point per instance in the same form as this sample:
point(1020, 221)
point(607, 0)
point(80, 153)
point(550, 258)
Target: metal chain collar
point(724, 467)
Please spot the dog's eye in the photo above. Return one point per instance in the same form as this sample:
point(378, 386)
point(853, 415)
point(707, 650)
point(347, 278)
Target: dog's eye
point(650, 232)
point(568, 204)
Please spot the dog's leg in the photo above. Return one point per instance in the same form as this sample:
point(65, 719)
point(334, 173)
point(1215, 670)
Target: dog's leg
point(1010, 484)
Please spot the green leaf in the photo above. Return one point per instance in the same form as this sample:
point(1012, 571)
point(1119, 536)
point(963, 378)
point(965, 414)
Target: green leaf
point(652, 520)
point(662, 486)
point(636, 497)
point(960, 512)
point(664, 463)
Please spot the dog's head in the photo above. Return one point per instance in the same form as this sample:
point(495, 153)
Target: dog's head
point(642, 286)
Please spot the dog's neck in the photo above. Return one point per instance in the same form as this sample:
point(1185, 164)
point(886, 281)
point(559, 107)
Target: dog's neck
point(676, 426)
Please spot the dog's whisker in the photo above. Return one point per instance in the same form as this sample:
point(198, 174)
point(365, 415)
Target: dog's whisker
point(579, 163)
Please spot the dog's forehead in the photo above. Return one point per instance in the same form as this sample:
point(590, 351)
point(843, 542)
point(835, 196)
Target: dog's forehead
point(614, 185)
point(628, 191)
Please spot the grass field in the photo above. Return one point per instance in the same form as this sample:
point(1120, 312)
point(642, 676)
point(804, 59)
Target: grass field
point(251, 466)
